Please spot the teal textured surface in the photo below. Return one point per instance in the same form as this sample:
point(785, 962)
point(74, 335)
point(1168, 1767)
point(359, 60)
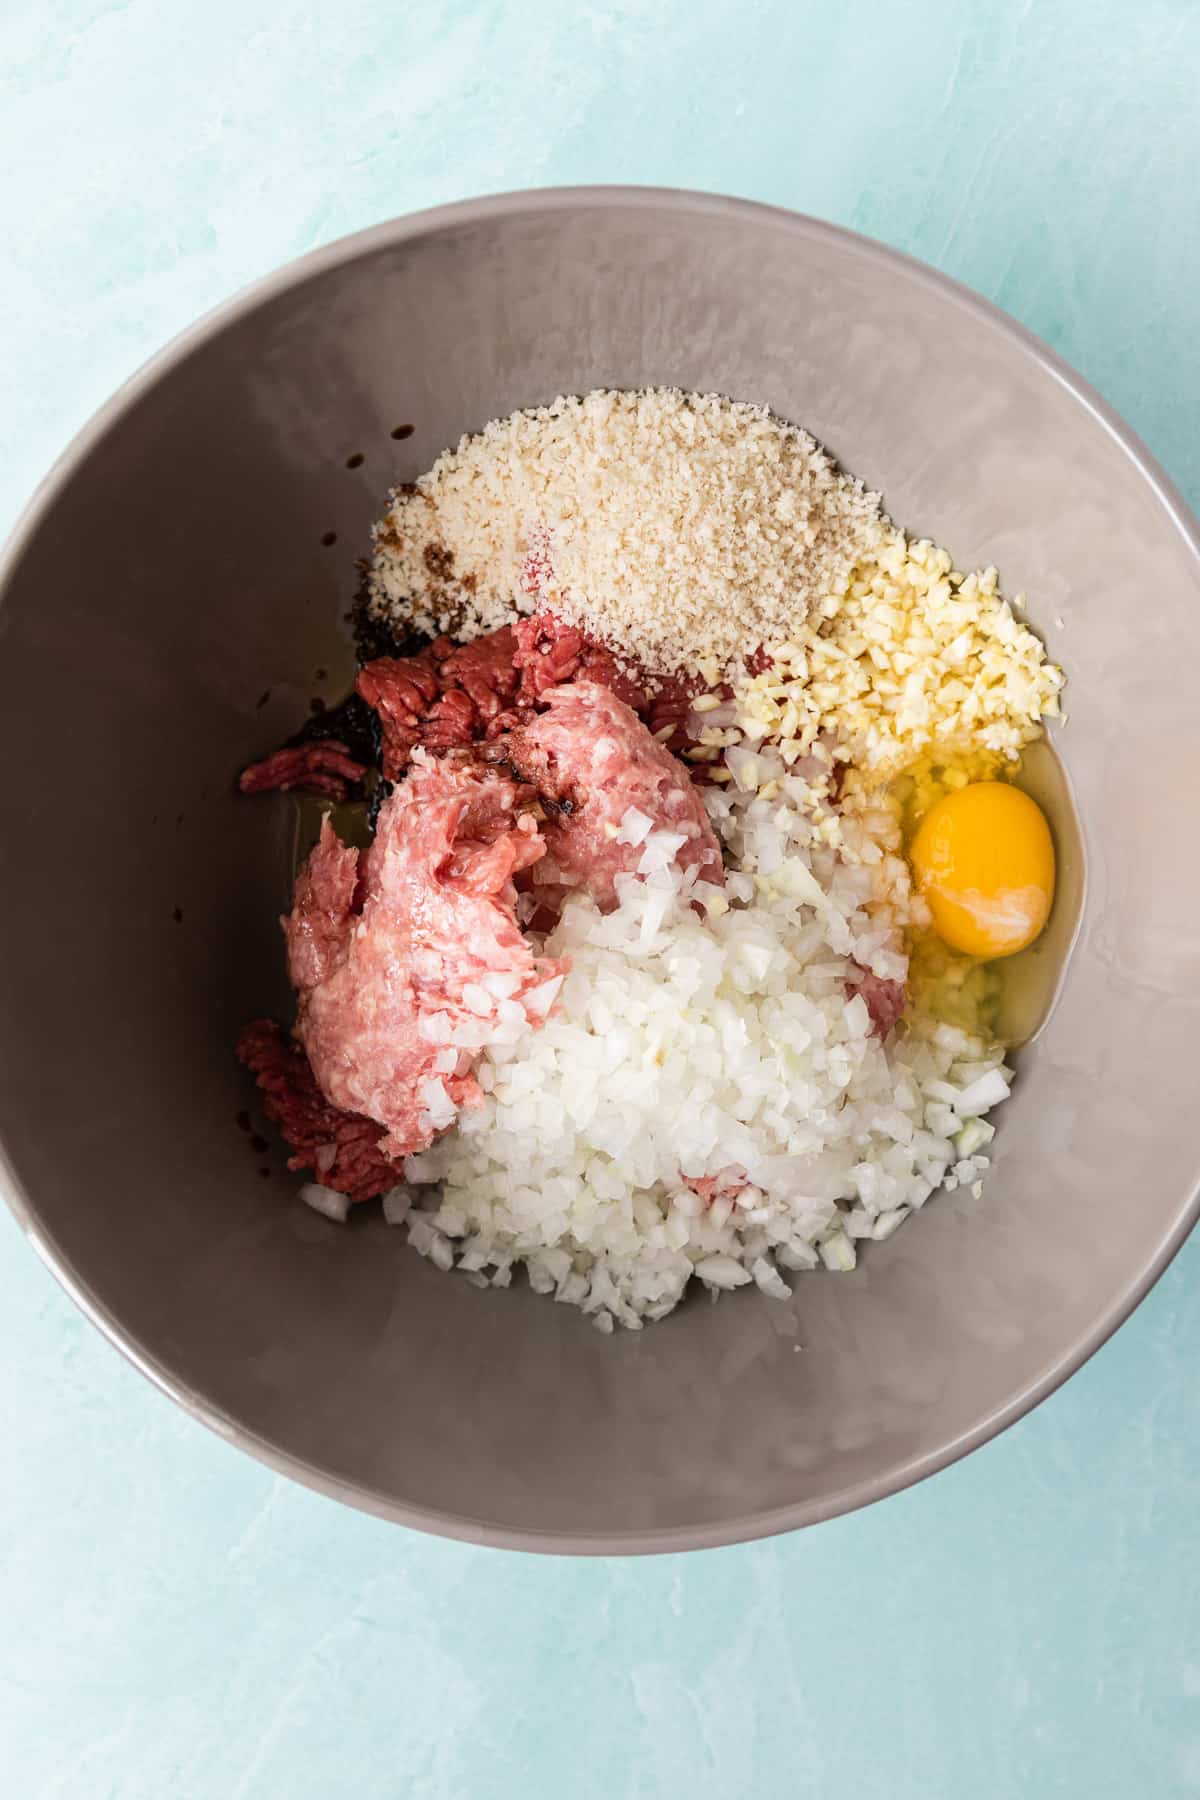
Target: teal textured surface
point(179, 1622)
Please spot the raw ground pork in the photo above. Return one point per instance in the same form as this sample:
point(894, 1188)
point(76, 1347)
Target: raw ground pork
point(390, 950)
point(592, 760)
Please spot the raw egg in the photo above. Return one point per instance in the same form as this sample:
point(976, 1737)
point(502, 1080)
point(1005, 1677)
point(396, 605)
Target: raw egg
point(983, 858)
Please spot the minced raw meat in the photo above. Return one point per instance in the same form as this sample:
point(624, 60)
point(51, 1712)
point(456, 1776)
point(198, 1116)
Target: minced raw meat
point(486, 670)
point(403, 691)
point(449, 695)
point(592, 759)
point(551, 652)
point(386, 947)
point(445, 697)
point(379, 942)
point(884, 1000)
point(342, 1149)
point(323, 766)
point(667, 713)
point(725, 1186)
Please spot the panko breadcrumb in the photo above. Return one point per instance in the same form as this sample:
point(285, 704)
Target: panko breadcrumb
point(677, 528)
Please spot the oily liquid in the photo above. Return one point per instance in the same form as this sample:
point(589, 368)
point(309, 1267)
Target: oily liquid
point(1030, 981)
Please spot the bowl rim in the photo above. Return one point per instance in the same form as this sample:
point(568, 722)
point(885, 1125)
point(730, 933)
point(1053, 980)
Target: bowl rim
point(405, 229)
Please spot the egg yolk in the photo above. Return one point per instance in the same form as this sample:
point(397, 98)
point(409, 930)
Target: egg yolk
point(984, 860)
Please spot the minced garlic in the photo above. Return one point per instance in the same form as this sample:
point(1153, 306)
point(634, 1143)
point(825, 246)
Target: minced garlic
point(912, 658)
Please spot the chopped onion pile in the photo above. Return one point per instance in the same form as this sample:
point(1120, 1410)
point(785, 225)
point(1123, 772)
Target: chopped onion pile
point(707, 1097)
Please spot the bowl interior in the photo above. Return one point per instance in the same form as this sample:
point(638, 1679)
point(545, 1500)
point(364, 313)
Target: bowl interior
point(163, 620)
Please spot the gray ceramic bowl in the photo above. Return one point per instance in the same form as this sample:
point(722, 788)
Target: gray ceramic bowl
point(165, 605)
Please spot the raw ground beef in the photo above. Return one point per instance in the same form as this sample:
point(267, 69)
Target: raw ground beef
point(322, 767)
point(450, 695)
point(487, 671)
point(341, 1149)
point(725, 1186)
point(402, 690)
point(590, 757)
point(386, 947)
point(550, 653)
point(445, 697)
point(884, 1000)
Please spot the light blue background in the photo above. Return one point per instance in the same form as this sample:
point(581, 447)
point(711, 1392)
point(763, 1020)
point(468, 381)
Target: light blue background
point(175, 1622)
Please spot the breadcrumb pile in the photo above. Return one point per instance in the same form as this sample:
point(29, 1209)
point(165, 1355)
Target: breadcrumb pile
point(681, 529)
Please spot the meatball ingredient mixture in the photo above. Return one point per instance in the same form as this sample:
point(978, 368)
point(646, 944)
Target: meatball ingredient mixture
point(634, 985)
